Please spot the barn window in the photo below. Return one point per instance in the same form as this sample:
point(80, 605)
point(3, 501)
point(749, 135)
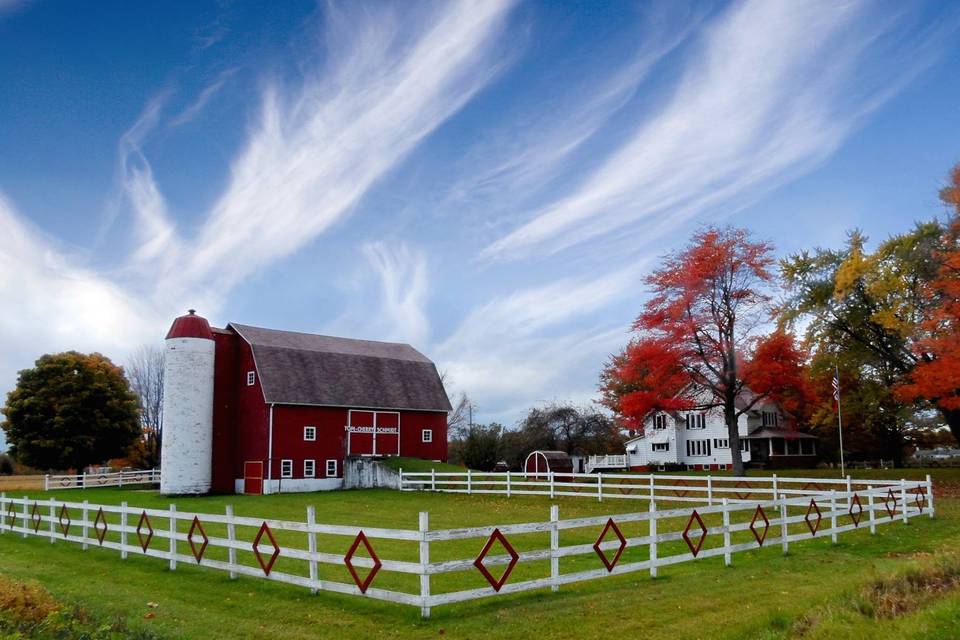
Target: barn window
point(286, 468)
point(309, 468)
point(426, 435)
point(309, 434)
point(331, 468)
point(251, 378)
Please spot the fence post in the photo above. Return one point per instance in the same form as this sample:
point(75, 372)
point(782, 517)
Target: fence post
point(424, 561)
point(401, 478)
point(231, 537)
point(123, 530)
point(850, 492)
point(312, 548)
point(710, 491)
point(551, 484)
point(173, 537)
point(53, 518)
point(653, 538)
point(83, 480)
point(120, 480)
point(727, 556)
point(784, 529)
point(84, 530)
point(599, 487)
point(433, 479)
point(554, 547)
point(833, 515)
point(873, 515)
point(508, 484)
point(46, 482)
point(652, 496)
point(26, 517)
point(930, 495)
point(3, 512)
point(469, 482)
point(904, 507)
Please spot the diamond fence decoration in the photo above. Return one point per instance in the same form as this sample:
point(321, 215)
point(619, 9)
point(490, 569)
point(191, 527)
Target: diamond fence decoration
point(12, 514)
point(684, 492)
point(743, 484)
point(758, 515)
point(64, 520)
point(920, 498)
point(35, 517)
point(195, 526)
point(890, 503)
point(144, 520)
point(695, 548)
point(813, 525)
point(855, 515)
point(102, 479)
point(812, 485)
point(266, 566)
point(496, 536)
point(65, 482)
point(625, 487)
point(100, 526)
point(610, 526)
point(364, 584)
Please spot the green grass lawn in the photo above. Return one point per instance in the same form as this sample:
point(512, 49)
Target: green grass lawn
point(764, 594)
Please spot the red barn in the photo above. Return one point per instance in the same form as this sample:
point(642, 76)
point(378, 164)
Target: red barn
point(288, 408)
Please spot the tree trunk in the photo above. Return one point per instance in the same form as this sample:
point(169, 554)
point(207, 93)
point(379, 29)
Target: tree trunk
point(733, 433)
point(952, 417)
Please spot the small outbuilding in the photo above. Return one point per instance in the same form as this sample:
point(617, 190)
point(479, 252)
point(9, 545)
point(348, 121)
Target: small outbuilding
point(540, 463)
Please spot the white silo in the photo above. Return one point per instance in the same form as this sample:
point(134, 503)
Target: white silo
point(186, 459)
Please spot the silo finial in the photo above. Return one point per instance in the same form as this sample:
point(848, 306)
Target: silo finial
point(192, 312)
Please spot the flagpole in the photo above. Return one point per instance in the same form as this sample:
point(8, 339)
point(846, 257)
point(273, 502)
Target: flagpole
point(839, 418)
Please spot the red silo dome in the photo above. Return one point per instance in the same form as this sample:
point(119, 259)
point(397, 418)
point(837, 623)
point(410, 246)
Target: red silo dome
point(190, 326)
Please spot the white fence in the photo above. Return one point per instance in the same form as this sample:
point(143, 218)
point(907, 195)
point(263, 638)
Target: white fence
point(527, 556)
point(707, 490)
point(94, 480)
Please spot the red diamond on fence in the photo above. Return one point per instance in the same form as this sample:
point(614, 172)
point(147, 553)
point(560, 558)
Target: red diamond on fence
point(610, 564)
point(266, 566)
point(64, 520)
point(891, 498)
point(815, 525)
point(365, 583)
point(99, 521)
point(921, 503)
point(695, 517)
point(12, 514)
point(812, 485)
point(496, 536)
point(65, 482)
point(194, 527)
point(625, 487)
point(102, 479)
point(35, 518)
point(746, 485)
point(144, 543)
point(683, 493)
point(759, 515)
point(856, 515)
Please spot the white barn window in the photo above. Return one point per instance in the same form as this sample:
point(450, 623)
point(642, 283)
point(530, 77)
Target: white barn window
point(660, 421)
point(721, 443)
point(698, 448)
point(696, 421)
point(251, 378)
point(426, 435)
point(309, 434)
point(331, 468)
point(309, 468)
point(286, 468)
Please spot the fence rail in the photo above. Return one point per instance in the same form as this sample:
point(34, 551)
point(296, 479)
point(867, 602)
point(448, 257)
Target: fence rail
point(428, 568)
point(94, 480)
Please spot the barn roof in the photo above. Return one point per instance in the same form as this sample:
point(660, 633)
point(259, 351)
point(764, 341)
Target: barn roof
point(309, 369)
point(562, 456)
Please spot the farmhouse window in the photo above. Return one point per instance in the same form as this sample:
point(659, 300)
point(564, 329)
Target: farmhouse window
point(309, 434)
point(309, 468)
point(426, 435)
point(696, 421)
point(793, 447)
point(251, 378)
point(770, 418)
point(807, 447)
point(698, 448)
point(660, 421)
point(661, 446)
point(331, 468)
point(721, 443)
point(286, 468)
point(744, 445)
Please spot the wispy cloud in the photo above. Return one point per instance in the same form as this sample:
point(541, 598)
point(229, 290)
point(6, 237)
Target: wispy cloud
point(193, 110)
point(404, 285)
point(770, 93)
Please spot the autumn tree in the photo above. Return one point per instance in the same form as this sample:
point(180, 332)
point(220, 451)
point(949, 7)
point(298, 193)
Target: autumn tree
point(145, 372)
point(699, 340)
point(69, 411)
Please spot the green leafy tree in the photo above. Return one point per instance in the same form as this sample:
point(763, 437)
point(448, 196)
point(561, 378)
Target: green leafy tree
point(480, 448)
point(71, 410)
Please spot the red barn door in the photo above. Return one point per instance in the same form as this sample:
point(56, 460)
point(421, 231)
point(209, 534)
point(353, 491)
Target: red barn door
point(253, 477)
point(360, 433)
point(387, 442)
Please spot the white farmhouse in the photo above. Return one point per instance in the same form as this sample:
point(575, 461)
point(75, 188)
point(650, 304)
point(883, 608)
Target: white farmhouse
point(698, 440)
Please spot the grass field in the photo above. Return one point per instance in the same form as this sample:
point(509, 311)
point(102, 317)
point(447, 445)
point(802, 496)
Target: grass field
point(817, 591)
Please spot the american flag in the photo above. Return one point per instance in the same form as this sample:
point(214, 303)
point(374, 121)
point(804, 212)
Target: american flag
point(836, 387)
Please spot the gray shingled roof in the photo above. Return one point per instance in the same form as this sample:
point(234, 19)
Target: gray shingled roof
point(308, 369)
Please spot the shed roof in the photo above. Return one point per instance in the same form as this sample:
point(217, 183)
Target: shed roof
point(310, 369)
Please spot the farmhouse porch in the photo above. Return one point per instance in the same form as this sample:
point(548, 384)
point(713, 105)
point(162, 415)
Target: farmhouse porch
point(780, 448)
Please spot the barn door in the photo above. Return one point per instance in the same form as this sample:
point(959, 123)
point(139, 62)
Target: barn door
point(253, 477)
point(387, 438)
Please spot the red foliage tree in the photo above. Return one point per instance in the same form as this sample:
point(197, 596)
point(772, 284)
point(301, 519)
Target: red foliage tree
point(698, 342)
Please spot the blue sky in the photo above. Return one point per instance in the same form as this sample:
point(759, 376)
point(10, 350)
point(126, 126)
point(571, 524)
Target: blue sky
point(489, 180)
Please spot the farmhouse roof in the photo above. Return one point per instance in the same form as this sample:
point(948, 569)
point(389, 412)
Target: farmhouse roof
point(309, 369)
